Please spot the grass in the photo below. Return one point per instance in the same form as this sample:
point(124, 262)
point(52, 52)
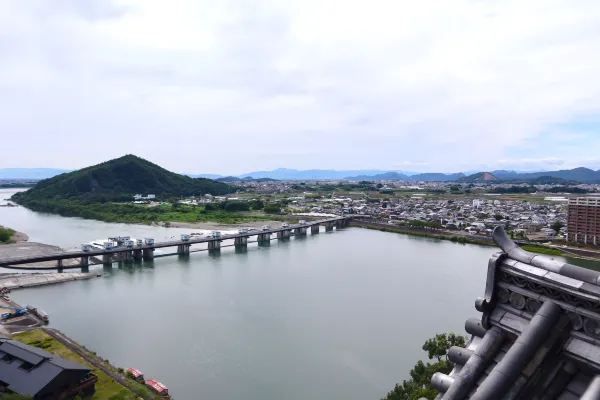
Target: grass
point(142, 213)
point(534, 248)
point(6, 234)
point(106, 387)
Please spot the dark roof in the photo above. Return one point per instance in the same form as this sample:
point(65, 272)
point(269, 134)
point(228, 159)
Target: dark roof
point(42, 369)
point(538, 336)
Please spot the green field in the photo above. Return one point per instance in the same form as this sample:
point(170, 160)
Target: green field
point(534, 248)
point(106, 387)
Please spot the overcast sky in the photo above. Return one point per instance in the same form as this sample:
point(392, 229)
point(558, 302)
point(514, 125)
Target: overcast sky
point(233, 86)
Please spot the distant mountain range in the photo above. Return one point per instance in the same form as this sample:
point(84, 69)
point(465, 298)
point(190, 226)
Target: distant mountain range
point(582, 175)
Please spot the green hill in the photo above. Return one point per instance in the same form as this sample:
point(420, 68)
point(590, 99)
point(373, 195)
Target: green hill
point(118, 180)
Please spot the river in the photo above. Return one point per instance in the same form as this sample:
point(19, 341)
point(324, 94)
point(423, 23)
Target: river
point(341, 315)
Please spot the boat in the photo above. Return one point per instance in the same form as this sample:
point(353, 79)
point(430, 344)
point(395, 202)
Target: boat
point(158, 388)
point(135, 374)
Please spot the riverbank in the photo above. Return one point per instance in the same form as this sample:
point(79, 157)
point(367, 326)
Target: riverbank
point(25, 280)
point(152, 213)
point(8, 235)
point(537, 248)
point(112, 382)
point(424, 232)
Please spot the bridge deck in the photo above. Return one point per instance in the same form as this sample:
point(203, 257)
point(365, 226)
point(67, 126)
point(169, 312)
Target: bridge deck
point(65, 255)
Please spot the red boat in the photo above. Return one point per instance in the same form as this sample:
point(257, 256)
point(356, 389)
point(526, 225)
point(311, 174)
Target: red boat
point(136, 374)
point(158, 388)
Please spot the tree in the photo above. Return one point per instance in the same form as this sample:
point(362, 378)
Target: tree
point(439, 345)
point(420, 383)
point(556, 226)
point(272, 208)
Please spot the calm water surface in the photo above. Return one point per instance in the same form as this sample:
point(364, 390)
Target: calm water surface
point(332, 316)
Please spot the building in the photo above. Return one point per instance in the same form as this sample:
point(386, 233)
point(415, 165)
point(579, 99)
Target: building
point(538, 336)
point(30, 371)
point(583, 220)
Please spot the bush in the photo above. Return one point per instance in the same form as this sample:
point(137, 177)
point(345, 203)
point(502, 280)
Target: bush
point(272, 208)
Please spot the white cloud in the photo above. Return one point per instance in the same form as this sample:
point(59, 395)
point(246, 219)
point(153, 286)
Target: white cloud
point(231, 86)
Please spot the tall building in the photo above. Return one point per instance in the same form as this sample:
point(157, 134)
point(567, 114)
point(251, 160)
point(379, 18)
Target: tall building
point(583, 220)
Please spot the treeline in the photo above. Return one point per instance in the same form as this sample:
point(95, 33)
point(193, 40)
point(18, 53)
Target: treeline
point(136, 213)
point(532, 189)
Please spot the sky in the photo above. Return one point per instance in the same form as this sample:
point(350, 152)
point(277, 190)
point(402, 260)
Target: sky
point(234, 86)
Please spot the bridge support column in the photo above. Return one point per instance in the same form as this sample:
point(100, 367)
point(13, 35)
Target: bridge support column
point(214, 246)
point(127, 256)
point(107, 259)
point(283, 234)
point(329, 227)
point(264, 239)
point(314, 229)
point(300, 231)
point(59, 265)
point(241, 241)
point(84, 263)
point(183, 249)
point(137, 254)
point(148, 254)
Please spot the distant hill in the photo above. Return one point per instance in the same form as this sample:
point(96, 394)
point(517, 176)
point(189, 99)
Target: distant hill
point(479, 177)
point(118, 179)
point(386, 176)
point(436, 177)
point(583, 175)
point(284, 174)
point(30, 173)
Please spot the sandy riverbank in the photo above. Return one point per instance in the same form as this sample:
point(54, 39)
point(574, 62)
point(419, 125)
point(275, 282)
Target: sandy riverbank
point(24, 249)
point(17, 236)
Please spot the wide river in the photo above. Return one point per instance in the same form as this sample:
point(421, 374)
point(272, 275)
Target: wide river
point(341, 315)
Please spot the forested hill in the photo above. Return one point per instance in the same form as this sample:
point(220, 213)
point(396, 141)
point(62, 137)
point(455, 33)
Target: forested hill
point(119, 179)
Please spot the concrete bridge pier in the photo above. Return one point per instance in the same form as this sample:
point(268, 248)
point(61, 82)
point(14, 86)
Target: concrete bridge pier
point(183, 249)
point(300, 231)
point(329, 227)
point(283, 234)
point(127, 256)
point(137, 254)
point(59, 265)
point(107, 259)
point(148, 254)
point(264, 239)
point(240, 241)
point(314, 229)
point(214, 246)
point(84, 263)
point(340, 223)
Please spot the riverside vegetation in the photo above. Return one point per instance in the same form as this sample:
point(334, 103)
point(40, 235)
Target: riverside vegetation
point(106, 387)
point(6, 234)
point(419, 384)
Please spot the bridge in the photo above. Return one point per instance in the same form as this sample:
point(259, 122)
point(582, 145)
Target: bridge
point(145, 251)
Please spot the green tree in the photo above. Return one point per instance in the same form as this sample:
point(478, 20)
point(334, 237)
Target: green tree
point(419, 384)
point(556, 226)
point(272, 208)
